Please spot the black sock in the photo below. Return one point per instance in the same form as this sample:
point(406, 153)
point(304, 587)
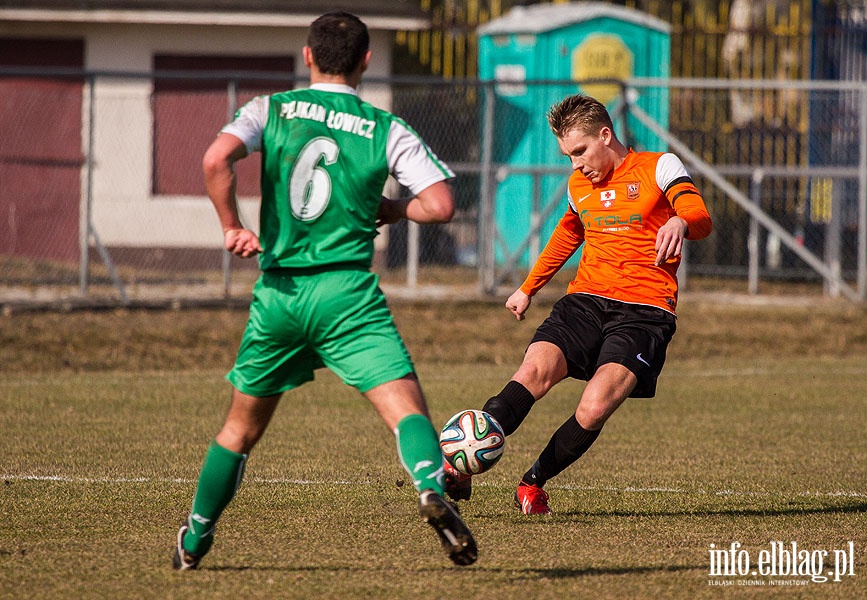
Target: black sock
point(565, 447)
point(510, 407)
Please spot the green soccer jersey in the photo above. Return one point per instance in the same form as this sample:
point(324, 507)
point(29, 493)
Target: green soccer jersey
point(326, 156)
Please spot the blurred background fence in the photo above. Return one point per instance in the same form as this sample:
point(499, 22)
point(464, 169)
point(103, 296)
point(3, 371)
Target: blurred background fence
point(102, 197)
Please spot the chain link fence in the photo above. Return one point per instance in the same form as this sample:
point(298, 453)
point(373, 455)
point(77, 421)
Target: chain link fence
point(102, 199)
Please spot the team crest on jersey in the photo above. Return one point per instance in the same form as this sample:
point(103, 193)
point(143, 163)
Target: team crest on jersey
point(632, 190)
point(607, 198)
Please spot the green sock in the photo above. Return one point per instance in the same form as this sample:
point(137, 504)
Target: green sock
point(221, 475)
point(419, 450)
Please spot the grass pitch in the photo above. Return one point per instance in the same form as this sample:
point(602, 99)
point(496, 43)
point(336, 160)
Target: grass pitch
point(756, 437)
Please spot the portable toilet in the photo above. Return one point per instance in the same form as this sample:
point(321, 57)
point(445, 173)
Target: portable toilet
point(538, 55)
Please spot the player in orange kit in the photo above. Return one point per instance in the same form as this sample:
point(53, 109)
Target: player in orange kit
point(632, 211)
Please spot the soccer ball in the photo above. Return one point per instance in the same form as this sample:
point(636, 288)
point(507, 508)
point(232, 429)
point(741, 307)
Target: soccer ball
point(472, 441)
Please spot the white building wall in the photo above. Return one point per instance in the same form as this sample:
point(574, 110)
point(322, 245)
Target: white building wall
point(124, 211)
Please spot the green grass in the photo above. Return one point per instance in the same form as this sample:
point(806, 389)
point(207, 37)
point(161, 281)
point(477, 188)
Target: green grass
point(747, 442)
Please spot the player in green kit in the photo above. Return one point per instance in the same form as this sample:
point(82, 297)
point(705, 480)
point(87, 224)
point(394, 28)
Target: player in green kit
point(326, 156)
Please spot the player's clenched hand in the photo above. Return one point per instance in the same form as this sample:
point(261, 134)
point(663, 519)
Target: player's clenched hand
point(518, 303)
point(242, 242)
point(669, 240)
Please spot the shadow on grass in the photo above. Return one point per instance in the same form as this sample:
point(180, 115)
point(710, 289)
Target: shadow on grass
point(534, 573)
point(732, 512)
point(598, 571)
point(582, 515)
point(283, 568)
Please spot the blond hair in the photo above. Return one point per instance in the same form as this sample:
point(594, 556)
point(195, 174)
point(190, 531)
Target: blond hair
point(578, 112)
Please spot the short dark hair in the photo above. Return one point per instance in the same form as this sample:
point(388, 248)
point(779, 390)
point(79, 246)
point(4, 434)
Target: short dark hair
point(339, 41)
point(579, 112)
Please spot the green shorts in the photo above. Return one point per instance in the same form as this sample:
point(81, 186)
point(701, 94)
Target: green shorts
point(303, 321)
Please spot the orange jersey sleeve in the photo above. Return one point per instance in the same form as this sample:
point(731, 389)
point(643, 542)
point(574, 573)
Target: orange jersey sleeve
point(566, 238)
point(618, 220)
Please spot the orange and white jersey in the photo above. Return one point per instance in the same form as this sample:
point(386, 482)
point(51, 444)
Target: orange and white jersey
point(617, 220)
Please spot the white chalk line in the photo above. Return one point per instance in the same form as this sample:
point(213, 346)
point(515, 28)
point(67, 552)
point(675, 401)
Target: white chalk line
point(288, 481)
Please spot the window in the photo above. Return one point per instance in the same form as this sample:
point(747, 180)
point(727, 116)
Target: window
point(190, 105)
point(40, 155)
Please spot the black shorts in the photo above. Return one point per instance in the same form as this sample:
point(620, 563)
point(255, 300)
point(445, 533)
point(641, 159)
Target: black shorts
point(592, 331)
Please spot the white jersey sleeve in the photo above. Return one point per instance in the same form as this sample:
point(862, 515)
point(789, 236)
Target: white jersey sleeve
point(249, 123)
point(668, 170)
point(411, 162)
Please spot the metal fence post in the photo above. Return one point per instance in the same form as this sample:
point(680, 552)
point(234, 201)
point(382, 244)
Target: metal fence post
point(833, 240)
point(486, 201)
point(231, 107)
point(86, 229)
point(536, 219)
point(412, 253)
point(862, 198)
point(87, 198)
point(683, 270)
point(753, 236)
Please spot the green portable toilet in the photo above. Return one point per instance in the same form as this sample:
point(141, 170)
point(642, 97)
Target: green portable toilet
point(539, 54)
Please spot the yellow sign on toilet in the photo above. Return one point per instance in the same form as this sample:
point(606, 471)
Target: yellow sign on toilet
point(602, 57)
